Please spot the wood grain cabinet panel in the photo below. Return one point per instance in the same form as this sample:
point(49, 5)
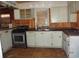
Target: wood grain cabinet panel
point(28, 22)
point(65, 25)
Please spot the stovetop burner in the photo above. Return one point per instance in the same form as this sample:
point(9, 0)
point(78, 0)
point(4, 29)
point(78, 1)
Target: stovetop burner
point(20, 29)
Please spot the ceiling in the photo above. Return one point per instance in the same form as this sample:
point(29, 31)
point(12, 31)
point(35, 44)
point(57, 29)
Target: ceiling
point(1, 6)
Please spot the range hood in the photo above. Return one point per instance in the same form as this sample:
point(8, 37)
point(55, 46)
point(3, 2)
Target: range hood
point(8, 4)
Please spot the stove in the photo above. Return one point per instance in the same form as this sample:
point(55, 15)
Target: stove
point(19, 36)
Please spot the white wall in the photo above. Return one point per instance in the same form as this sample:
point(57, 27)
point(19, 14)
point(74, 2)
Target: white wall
point(41, 4)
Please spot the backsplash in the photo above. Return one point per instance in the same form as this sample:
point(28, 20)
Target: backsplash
point(29, 22)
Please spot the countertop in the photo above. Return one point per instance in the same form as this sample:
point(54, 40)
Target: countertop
point(69, 32)
point(72, 33)
point(2, 29)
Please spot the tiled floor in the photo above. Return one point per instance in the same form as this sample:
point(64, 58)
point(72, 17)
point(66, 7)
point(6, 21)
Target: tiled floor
point(35, 53)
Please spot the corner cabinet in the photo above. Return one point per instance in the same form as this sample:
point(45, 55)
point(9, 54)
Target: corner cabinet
point(71, 45)
point(23, 13)
point(44, 39)
point(6, 40)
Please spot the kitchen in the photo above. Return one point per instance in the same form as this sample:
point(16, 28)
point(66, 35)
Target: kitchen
point(35, 27)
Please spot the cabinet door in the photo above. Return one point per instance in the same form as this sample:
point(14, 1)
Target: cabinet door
point(43, 39)
point(65, 43)
point(4, 44)
point(6, 40)
point(31, 39)
point(57, 39)
point(16, 14)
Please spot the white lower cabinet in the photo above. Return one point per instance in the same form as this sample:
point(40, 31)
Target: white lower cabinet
point(31, 38)
point(71, 46)
point(56, 39)
point(6, 40)
point(44, 39)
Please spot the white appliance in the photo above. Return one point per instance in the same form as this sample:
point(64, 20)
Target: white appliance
point(73, 47)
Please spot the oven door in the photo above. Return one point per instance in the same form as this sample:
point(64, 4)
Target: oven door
point(19, 38)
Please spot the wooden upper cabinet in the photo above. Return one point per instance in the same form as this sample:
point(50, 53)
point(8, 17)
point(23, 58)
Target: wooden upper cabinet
point(59, 14)
point(23, 13)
